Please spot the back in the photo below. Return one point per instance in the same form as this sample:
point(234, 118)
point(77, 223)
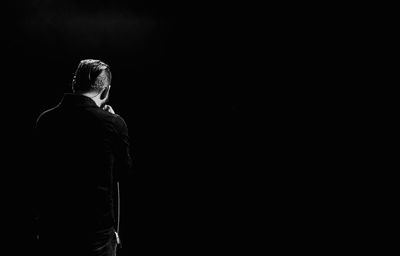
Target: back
point(79, 148)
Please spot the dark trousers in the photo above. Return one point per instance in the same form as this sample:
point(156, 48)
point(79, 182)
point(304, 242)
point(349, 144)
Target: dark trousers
point(99, 243)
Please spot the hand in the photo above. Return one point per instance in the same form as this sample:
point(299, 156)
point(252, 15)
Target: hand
point(108, 108)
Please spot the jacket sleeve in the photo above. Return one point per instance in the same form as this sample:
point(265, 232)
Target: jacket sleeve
point(123, 165)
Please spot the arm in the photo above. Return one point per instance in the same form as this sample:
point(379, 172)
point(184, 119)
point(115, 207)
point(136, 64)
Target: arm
point(123, 157)
point(123, 166)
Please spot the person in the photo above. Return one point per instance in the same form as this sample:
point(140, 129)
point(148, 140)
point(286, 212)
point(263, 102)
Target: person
point(83, 151)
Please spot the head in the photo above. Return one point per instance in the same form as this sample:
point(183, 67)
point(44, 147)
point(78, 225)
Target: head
point(93, 79)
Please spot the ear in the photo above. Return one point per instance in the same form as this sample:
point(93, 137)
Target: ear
point(104, 93)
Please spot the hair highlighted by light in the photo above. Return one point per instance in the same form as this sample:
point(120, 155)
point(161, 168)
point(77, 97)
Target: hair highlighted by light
point(91, 75)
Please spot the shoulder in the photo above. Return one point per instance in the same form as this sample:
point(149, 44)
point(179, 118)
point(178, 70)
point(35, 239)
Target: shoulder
point(120, 123)
point(45, 115)
point(114, 120)
point(119, 120)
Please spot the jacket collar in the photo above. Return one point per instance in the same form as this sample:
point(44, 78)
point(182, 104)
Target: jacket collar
point(77, 100)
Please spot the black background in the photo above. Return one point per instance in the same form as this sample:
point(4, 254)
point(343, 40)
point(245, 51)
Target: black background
point(206, 88)
point(175, 82)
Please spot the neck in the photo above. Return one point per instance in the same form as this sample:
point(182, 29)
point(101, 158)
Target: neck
point(95, 96)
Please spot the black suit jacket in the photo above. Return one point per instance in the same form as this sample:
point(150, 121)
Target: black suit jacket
point(82, 151)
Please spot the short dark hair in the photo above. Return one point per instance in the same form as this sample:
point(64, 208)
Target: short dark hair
point(91, 75)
